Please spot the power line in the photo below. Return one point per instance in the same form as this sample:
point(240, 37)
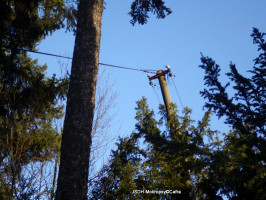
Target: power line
point(47, 54)
point(156, 94)
point(142, 70)
point(177, 93)
point(109, 65)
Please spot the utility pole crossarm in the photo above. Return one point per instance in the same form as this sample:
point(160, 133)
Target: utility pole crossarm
point(160, 73)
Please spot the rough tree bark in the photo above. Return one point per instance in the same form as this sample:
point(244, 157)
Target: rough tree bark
point(76, 139)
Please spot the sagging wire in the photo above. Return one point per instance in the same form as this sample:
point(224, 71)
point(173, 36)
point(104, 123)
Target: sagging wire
point(104, 64)
point(116, 66)
point(156, 94)
point(177, 92)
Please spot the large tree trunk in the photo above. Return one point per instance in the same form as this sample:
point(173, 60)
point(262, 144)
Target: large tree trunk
point(76, 139)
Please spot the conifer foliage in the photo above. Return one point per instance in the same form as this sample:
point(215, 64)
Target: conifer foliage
point(169, 160)
point(179, 155)
point(170, 154)
point(29, 101)
point(140, 10)
point(239, 167)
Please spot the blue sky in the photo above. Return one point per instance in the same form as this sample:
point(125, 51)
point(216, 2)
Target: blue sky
point(219, 29)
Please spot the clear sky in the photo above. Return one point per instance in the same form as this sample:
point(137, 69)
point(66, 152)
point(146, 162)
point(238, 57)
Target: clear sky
point(218, 29)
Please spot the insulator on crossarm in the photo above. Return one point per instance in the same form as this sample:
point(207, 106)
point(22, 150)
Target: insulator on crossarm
point(167, 66)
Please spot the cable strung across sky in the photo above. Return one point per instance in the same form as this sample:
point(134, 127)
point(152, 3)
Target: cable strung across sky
point(109, 65)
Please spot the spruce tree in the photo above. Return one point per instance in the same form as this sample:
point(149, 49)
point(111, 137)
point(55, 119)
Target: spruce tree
point(238, 168)
point(29, 101)
point(169, 159)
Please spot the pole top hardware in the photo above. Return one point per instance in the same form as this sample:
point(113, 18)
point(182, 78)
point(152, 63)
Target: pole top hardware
point(160, 73)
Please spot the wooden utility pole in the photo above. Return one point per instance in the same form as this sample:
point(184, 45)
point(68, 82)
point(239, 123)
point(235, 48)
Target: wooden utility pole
point(170, 111)
point(164, 88)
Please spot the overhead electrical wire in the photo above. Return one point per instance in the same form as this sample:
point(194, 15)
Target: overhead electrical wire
point(47, 54)
point(157, 96)
point(104, 64)
point(177, 93)
point(142, 70)
point(109, 65)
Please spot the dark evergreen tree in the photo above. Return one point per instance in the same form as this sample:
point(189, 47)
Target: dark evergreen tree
point(238, 169)
point(169, 160)
point(117, 179)
point(140, 10)
point(176, 157)
point(28, 99)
